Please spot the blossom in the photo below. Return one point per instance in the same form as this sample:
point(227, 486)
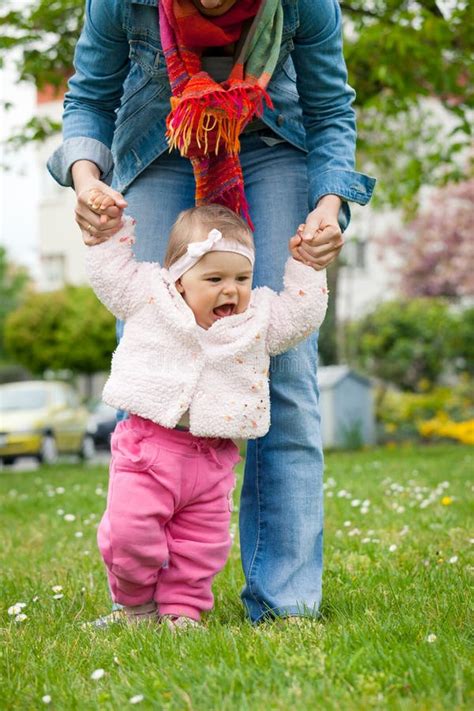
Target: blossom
point(57, 588)
point(136, 699)
point(431, 638)
point(446, 500)
point(16, 608)
point(393, 548)
point(46, 699)
point(60, 489)
point(69, 517)
point(58, 596)
point(453, 559)
point(78, 534)
point(97, 674)
point(21, 617)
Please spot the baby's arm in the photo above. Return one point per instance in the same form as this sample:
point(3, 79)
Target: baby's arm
point(120, 282)
point(300, 308)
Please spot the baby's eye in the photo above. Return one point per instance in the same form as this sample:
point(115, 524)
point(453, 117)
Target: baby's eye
point(214, 279)
point(243, 278)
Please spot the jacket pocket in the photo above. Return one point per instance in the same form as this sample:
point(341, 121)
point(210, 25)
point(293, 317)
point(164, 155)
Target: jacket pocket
point(148, 56)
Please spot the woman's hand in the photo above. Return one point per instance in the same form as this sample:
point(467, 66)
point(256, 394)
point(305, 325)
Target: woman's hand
point(98, 219)
point(319, 241)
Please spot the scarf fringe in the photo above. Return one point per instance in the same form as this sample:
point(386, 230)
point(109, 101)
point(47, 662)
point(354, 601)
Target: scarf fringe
point(213, 121)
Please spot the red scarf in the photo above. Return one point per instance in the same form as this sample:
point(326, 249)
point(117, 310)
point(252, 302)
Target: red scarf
point(207, 118)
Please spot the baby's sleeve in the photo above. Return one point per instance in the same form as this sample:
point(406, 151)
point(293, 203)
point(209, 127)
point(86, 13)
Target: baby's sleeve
point(299, 309)
point(119, 281)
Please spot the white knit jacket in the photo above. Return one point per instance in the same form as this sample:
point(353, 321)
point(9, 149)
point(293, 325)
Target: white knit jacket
point(166, 364)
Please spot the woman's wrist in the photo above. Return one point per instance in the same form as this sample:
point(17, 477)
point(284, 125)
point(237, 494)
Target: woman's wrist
point(332, 202)
point(83, 171)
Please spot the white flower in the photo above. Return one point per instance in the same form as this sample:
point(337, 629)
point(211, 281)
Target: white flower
point(366, 540)
point(78, 534)
point(86, 552)
point(431, 638)
point(36, 598)
point(347, 524)
point(16, 608)
point(57, 588)
point(99, 491)
point(116, 660)
point(400, 509)
point(330, 494)
point(392, 548)
point(355, 503)
point(69, 517)
point(20, 618)
point(366, 503)
point(60, 489)
point(364, 510)
point(60, 512)
point(58, 596)
point(97, 674)
point(453, 559)
point(354, 532)
point(341, 494)
point(46, 699)
point(136, 699)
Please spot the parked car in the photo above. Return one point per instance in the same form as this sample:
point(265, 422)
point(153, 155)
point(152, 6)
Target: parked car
point(42, 419)
point(102, 421)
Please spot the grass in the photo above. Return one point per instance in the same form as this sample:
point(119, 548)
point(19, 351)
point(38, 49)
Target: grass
point(369, 650)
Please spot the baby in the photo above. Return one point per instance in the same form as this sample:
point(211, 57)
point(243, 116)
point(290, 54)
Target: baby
point(192, 370)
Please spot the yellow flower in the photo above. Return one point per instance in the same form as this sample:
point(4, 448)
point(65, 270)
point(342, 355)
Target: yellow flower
point(446, 501)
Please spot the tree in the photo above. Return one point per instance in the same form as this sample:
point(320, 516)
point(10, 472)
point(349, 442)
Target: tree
point(61, 330)
point(14, 281)
point(437, 246)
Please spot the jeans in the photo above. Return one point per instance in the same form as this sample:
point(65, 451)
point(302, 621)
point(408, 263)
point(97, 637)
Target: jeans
point(281, 509)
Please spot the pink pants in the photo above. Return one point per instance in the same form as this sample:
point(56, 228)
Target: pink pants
point(165, 533)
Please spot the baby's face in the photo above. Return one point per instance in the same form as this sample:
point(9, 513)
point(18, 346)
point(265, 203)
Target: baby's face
point(219, 285)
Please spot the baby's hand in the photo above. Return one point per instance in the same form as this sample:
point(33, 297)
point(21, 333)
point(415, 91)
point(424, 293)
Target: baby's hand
point(294, 243)
point(99, 202)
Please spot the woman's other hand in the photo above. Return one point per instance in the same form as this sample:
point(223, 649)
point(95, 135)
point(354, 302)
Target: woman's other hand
point(99, 208)
point(321, 237)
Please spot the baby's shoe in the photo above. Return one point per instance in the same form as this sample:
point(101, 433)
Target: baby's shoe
point(179, 622)
point(131, 614)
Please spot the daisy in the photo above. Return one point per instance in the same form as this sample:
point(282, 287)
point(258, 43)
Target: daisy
point(97, 674)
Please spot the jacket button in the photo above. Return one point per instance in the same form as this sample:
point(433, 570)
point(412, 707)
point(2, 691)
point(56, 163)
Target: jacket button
point(280, 120)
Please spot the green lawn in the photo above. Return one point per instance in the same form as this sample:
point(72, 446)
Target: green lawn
point(394, 630)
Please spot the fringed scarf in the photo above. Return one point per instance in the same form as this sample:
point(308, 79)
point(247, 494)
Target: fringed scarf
point(207, 118)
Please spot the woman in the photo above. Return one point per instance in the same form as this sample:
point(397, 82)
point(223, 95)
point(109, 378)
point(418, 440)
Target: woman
point(296, 163)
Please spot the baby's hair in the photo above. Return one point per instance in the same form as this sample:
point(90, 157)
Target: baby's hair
point(194, 225)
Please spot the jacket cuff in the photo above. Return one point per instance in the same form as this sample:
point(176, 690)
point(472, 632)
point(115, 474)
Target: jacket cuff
point(83, 148)
point(299, 275)
point(350, 185)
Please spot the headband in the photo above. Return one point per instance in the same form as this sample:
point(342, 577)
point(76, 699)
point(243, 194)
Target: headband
point(215, 242)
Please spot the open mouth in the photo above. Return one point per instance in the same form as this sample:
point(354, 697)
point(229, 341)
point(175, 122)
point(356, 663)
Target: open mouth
point(224, 310)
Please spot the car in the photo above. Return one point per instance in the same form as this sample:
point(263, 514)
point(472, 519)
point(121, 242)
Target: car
point(42, 419)
point(102, 421)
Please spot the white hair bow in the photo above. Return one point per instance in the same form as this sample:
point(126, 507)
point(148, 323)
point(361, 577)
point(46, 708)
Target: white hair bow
point(199, 249)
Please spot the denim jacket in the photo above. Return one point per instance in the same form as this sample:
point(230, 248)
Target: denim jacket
point(119, 97)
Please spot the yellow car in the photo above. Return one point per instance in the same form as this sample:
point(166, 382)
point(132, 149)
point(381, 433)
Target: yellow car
point(42, 419)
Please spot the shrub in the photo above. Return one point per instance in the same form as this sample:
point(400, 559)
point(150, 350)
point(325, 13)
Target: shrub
point(404, 342)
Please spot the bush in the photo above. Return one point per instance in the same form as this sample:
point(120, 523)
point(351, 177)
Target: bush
point(406, 343)
point(67, 329)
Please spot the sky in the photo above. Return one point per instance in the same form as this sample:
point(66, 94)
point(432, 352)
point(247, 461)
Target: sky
point(19, 184)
